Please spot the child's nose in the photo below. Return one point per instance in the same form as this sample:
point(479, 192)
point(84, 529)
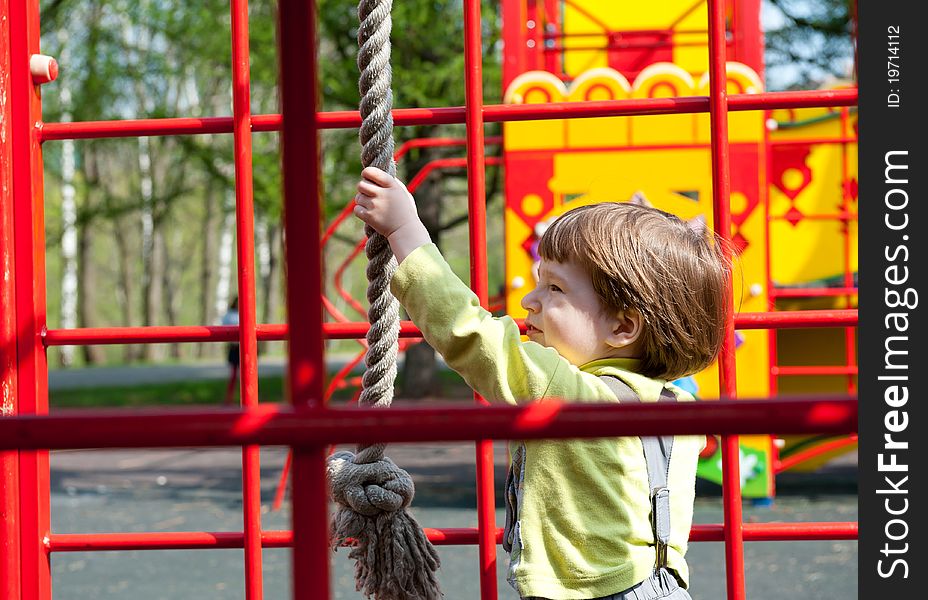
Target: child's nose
point(530, 302)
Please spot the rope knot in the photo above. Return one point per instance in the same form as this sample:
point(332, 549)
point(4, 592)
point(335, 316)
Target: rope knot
point(368, 488)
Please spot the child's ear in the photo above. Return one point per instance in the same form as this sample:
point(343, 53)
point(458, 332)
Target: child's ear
point(626, 329)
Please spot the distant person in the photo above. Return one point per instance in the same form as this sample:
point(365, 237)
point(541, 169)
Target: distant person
point(629, 298)
point(232, 352)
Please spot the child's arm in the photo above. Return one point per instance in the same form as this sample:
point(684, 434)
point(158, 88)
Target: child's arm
point(384, 203)
point(488, 352)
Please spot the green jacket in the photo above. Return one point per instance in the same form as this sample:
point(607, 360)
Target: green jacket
point(583, 506)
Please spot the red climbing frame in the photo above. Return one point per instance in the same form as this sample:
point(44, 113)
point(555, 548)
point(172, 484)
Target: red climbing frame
point(308, 426)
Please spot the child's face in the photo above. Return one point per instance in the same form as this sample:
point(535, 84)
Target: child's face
point(565, 313)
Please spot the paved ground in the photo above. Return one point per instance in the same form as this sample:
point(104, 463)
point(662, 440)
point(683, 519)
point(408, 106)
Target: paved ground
point(200, 490)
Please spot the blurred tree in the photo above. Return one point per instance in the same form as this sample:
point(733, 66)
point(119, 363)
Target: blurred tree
point(808, 43)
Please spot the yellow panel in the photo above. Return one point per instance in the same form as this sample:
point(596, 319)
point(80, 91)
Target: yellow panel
point(535, 87)
point(519, 278)
point(743, 126)
point(663, 80)
point(593, 16)
point(595, 85)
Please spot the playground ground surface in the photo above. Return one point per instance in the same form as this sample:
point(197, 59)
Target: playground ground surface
point(200, 490)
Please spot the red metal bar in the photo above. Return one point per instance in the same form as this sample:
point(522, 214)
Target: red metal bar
point(10, 542)
point(446, 163)
point(220, 540)
point(779, 532)
point(438, 143)
point(812, 291)
point(850, 353)
point(477, 227)
point(492, 113)
point(768, 269)
point(245, 245)
point(748, 36)
point(29, 248)
point(839, 216)
point(611, 44)
point(782, 370)
point(303, 222)
point(721, 187)
point(772, 357)
point(623, 33)
point(800, 457)
point(277, 425)
point(358, 329)
point(796, 318)
point(810, 141)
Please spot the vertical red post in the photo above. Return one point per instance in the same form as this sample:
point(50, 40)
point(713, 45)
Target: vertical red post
point(302, 230)
point(850, 340)
point(549, 22)
point(9, 460)
point(29, 248)
point(476, 206)
point(772, 377)
point(514, 59)
point(245, 244)
point(748, 46)
point(721, 189)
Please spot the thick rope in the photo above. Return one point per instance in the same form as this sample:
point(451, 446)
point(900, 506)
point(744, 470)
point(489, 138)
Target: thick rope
point(394, 559)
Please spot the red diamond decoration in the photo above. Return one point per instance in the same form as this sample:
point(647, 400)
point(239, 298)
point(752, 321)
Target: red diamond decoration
point(739, 242)
point(850, 188)
point(793, 216)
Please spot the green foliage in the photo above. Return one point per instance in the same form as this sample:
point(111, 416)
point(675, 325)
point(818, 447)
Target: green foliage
point(182, 393)
point(808, 43)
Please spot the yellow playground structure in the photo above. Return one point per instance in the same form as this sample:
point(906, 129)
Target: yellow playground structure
point(793, 186)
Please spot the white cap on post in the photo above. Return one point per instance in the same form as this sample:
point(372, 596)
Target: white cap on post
point(43, 68)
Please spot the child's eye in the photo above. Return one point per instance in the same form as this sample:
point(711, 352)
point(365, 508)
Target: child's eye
point(554, 288)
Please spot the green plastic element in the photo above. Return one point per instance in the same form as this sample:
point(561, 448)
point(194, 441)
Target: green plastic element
point(754, 471)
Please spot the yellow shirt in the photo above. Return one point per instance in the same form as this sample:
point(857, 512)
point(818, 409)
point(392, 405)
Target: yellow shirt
point(583, 506)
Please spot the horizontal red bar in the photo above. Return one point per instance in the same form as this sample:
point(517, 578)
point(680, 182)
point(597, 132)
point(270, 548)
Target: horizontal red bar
point(200, 333)
point(812, 292)
point(357, 330)
point(283, 425)
point(814, 370)
point(839, 216)
point(104, 542)
point(817, 450)
point(811, 141)
point(797, 318)
point(455, 114)
point(779, 532)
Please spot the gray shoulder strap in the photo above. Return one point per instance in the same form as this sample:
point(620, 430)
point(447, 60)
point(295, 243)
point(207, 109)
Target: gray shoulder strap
point(657, 451)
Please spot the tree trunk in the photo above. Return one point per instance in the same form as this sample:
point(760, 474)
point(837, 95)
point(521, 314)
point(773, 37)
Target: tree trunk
point(150, 247)
point(207, 261)
point(226, 252)
point(86, 275)
point(124, 285)
point(69, 285)
point(171, 294)
point(270, 278)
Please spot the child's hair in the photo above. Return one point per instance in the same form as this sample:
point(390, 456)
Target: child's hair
point(652, 262)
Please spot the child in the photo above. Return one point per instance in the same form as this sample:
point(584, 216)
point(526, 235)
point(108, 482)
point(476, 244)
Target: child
point(628, 298)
